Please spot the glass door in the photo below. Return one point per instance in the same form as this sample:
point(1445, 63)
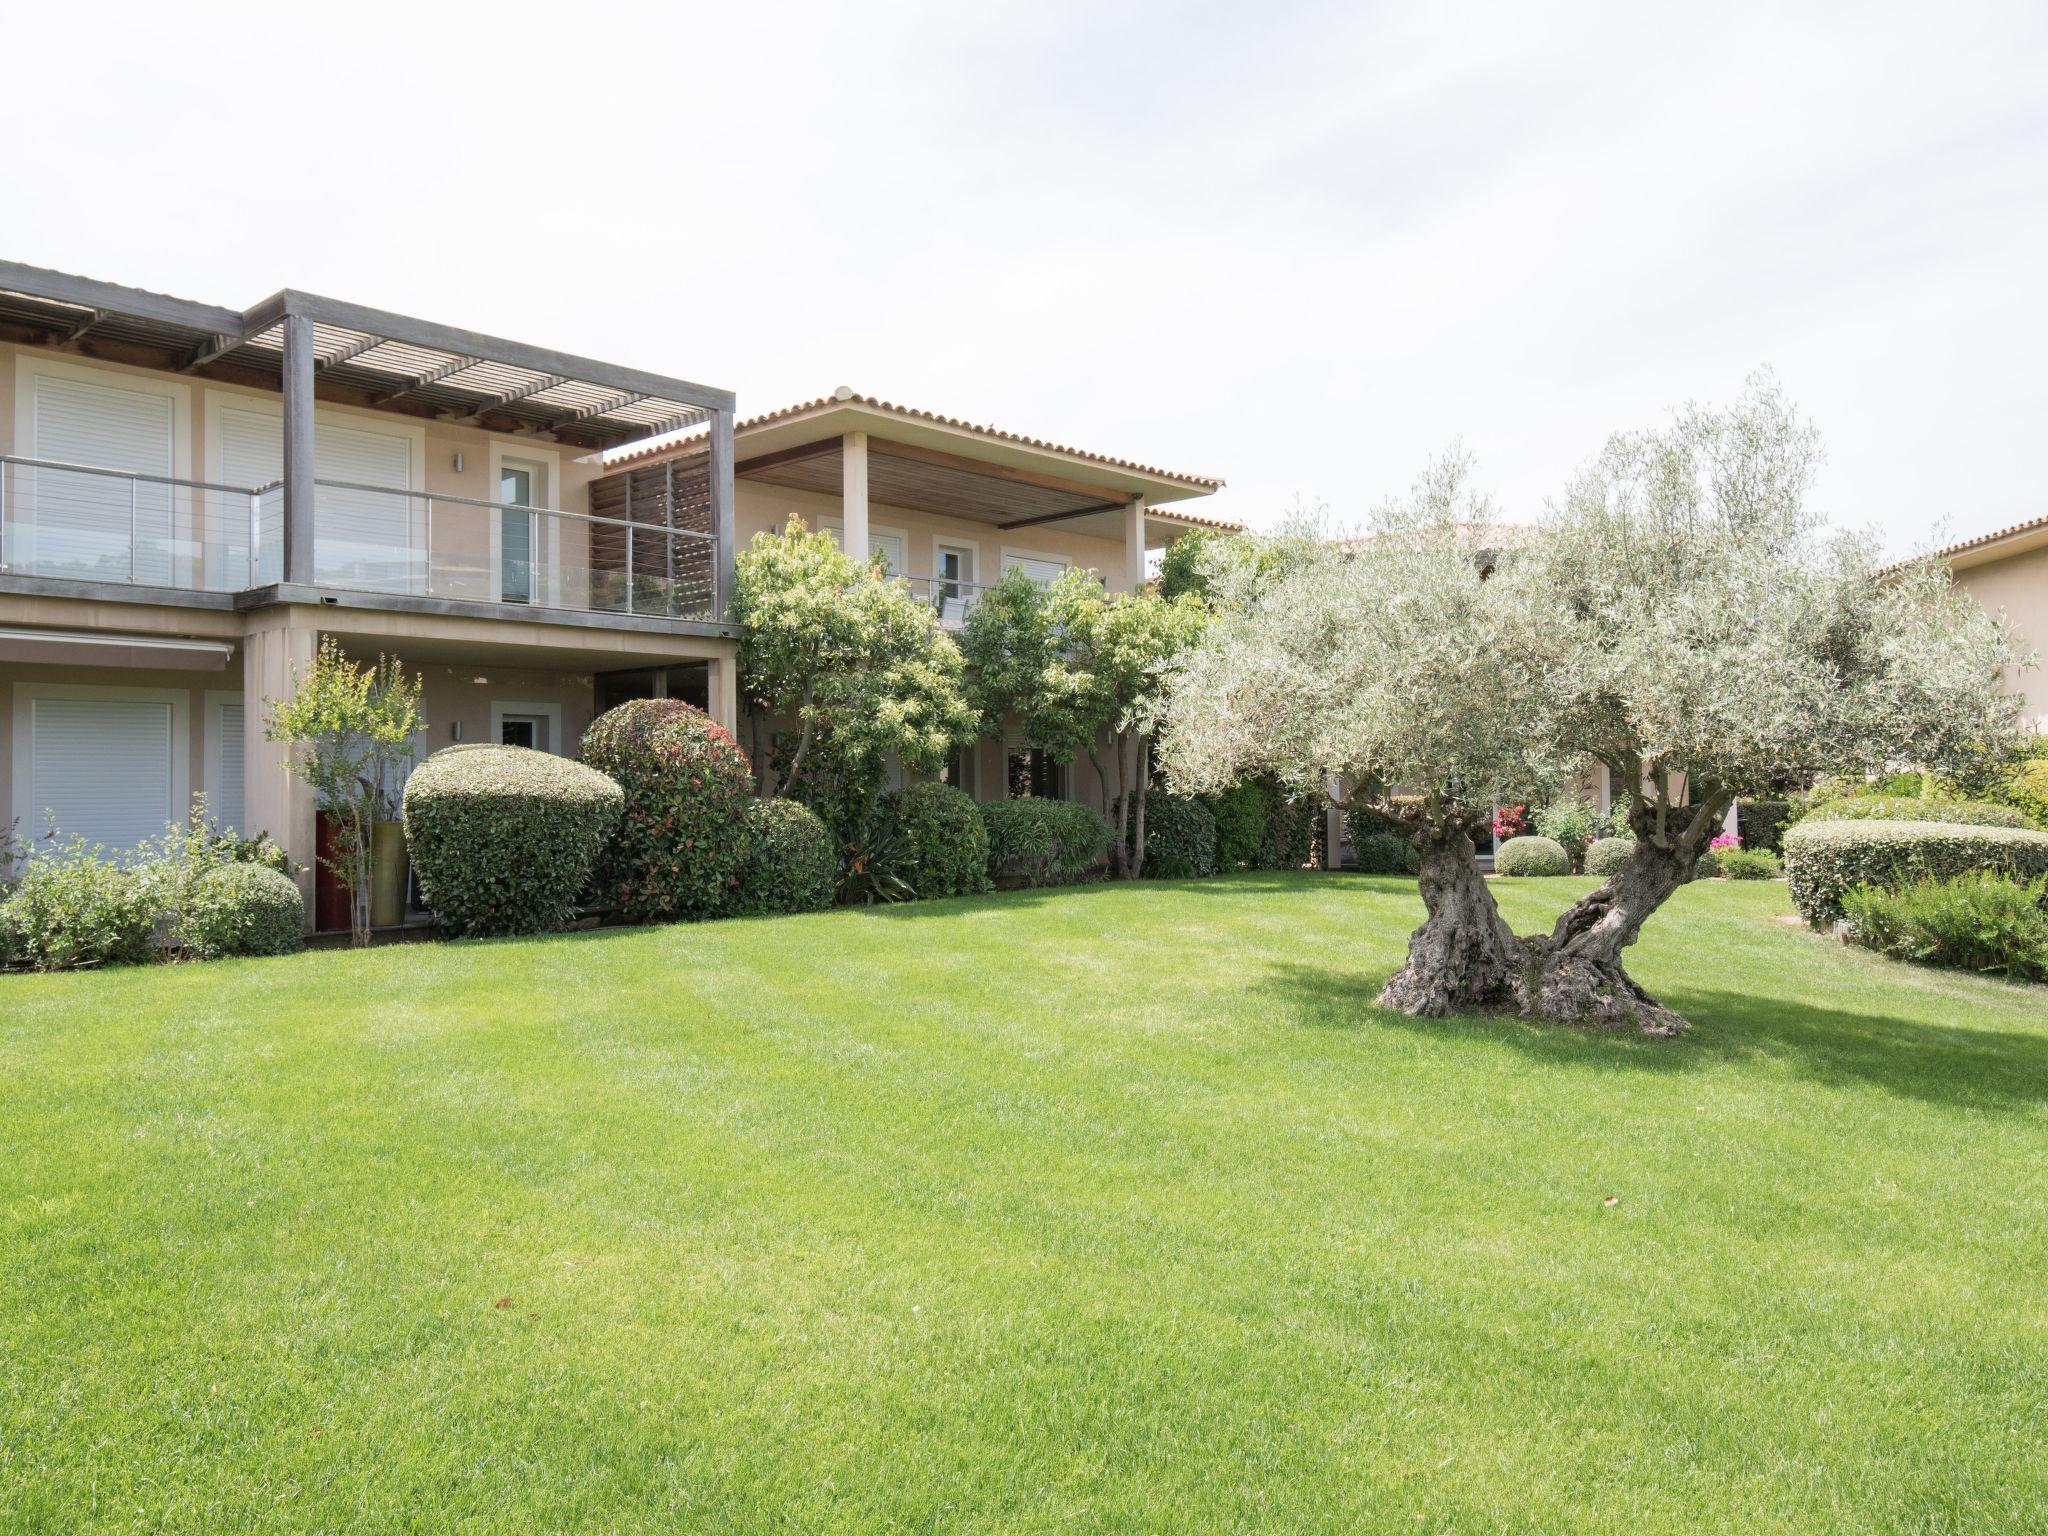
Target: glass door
point(515, 533)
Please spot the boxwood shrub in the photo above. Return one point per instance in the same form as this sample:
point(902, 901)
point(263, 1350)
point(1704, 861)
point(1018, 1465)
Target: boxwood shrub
point(1606, 855)
point(1045, 842)
point(792, 862)
point(504, 838)
point(1747, 864)
point(1526, 856)
point(679, 842)
point(242, 909)
point(945, 845)
point(1380, 853)
point(1973, 813)
point(1824, 860)
point(1180, 838)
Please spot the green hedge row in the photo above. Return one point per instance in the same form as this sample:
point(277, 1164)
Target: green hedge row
point(1825, 860)
point(1045, 842)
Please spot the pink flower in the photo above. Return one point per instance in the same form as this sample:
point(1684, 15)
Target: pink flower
point(1726, 841)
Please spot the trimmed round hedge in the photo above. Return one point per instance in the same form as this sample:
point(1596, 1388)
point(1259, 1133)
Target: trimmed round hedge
point(1180, 838)
point(1747, 864)
point(680, 840)
point(792, 863)
point(1527, 856)
point(504, 838)
point(1825, 860)
point(944, 842)
point(243, 909)
point(1380, 853)
point(1606, 855)
point(1045, 842)
point(1971, 813)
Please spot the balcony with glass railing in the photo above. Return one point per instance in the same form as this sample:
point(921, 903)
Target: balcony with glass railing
point(83, 523)
point(950, 599)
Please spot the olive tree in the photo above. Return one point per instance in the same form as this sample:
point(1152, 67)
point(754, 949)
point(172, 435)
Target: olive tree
point(1392, 662)
point(1711, 635)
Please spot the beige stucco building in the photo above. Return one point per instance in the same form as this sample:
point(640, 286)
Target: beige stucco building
point(192, 499)
point(2007, 571)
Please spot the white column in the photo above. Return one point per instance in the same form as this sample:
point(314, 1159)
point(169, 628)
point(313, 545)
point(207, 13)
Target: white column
point(1134, 544)
point(298, 450)
point(853, 493)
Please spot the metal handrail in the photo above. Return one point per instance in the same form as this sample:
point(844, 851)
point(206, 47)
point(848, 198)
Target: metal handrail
point(135, 474)
point(513, 506)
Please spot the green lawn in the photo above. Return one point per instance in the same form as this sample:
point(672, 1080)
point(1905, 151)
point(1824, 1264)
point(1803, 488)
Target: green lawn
point(1116, 1209)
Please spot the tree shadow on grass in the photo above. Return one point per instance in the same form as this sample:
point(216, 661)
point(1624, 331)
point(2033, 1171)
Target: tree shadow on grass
point(1937, 1063)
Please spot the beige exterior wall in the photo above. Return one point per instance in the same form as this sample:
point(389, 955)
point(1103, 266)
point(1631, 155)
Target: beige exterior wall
point(761, 508)
point(2016, 584)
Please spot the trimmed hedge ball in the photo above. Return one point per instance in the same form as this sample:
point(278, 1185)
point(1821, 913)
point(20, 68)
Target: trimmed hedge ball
point(1606, 855)
point(1825, 860)
point(1045, 842)
point(504, 838)
point(792, 862)
point(243, 909)
point(1527, 856)
point(679, 843)
point(944, 840)
point(1180, 838)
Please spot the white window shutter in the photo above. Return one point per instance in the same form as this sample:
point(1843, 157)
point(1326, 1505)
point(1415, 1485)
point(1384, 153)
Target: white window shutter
point(226, 801)
point(362, 539)
point(101, 527)
point(101, 769)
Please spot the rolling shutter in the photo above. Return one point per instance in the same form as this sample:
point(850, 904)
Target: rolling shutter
point(1044, 572)
point(225, 799)
point(361, 539)
point(83, 523)
point(888, 545)
point(101, 769)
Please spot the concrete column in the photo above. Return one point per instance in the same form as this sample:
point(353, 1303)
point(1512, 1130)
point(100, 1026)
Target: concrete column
point(853, 493)
point(1134, 544)
point(276, 800)
point(298, 449)
point(725, 693)
point(721, 507)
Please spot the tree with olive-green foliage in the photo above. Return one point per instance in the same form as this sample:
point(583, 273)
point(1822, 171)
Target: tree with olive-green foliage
point(852, 657)
point(1084, 672)
point(349, 727)
point(1712, 634)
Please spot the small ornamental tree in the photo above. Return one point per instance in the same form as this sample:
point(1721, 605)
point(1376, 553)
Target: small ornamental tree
point(1394, 662)
point(1710, 637)
point(860, 667)
point(349, 727)
point(1085, 673)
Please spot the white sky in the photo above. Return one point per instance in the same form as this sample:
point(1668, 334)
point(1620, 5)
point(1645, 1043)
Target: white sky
point(1299, 246)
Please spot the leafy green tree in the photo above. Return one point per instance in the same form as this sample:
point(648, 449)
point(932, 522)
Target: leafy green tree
point(859, 664)
point(1084, 673)
point(349, 726)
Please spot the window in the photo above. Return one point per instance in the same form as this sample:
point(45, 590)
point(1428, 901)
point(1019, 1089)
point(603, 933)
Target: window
point(1043, 569)
point(959, 770)
point(100, 527)
point(1035, 776)
point(537, 727)
point(521, 483)
point(105, 764)
point(885, 542)
point(955, 564)
point(369, 539)
point(224, 752)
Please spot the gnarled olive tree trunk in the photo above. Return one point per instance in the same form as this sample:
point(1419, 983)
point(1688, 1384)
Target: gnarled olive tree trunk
point(1464, 955)
point(1574, 975)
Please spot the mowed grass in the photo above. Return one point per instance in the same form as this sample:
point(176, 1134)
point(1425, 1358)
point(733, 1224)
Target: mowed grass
point(1114, 1209)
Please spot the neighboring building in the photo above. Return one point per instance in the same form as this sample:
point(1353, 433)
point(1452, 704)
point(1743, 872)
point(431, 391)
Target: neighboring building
point(193, 498)
point(2007, 572)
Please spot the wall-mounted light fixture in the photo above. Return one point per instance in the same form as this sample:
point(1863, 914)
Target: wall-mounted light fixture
point(455, 730)
point(458, 461)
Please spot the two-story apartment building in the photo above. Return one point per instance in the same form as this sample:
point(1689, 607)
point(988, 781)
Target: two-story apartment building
point(192, 498)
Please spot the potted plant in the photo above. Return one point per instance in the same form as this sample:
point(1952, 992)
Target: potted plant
point(352, 725)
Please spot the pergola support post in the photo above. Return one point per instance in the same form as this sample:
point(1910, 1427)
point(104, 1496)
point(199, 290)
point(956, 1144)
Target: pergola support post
point(853, 494)
point(298, 449)
point(1134, 544)
point(720, 471)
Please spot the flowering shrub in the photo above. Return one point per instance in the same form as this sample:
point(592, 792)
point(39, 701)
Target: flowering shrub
point(75, 908)
point(1725, 841)
point(1510, 821)
point(1570, 821)
point(678, 847)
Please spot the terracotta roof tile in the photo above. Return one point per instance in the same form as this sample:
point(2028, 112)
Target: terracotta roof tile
point(685, 444)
